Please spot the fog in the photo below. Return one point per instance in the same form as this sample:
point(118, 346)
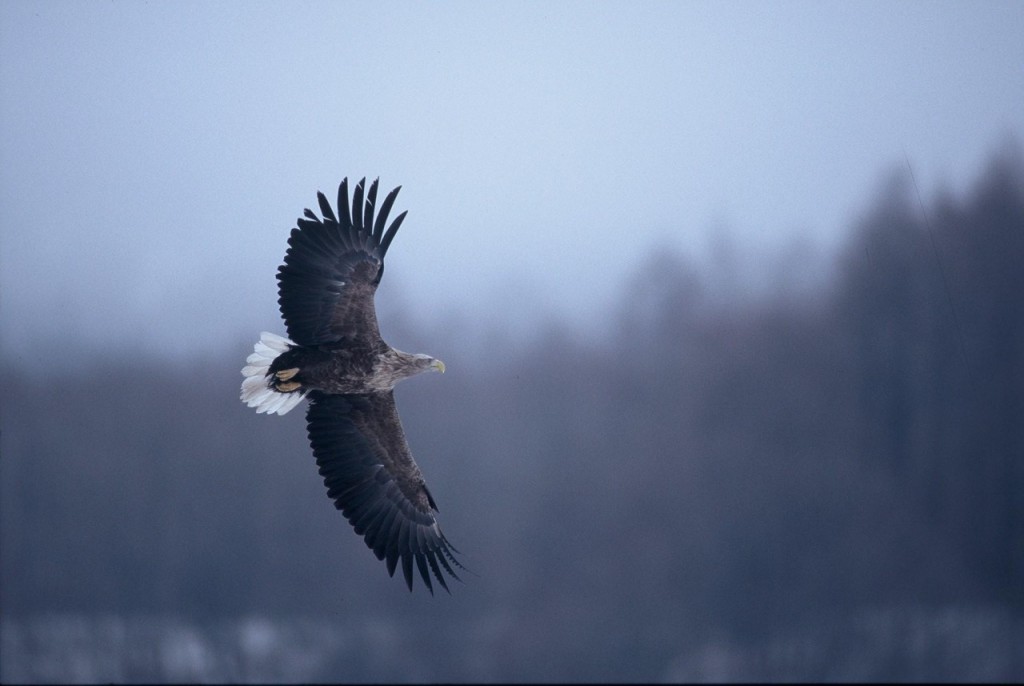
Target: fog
point(797, 483)
point(154, 155)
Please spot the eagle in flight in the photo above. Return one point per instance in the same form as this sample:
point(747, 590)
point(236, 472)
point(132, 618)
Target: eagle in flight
point(334, 356)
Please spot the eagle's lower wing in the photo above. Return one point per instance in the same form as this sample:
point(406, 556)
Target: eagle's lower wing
point(369, 472)
point(332, 268)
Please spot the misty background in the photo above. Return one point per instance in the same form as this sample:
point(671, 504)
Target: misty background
point(729, 295)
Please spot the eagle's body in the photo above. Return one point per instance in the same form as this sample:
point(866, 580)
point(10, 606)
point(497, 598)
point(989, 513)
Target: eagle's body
point(337, 359)
point(352, 369)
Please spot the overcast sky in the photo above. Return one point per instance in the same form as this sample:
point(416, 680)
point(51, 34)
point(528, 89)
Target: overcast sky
point(154, 155)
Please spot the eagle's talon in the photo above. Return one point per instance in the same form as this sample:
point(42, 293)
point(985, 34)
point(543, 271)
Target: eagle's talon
point(286, 374)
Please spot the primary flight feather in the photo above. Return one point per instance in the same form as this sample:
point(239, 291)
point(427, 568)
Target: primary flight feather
point(334, 356)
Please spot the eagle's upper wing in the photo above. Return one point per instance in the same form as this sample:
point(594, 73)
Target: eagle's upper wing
point(365, 461)
point(333, 266)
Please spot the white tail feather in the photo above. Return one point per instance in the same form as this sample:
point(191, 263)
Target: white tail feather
point(255, 391)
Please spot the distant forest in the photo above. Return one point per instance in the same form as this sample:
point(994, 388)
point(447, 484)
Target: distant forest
point(716, 467)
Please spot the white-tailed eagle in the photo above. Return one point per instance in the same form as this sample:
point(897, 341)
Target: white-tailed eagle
point(334, 356)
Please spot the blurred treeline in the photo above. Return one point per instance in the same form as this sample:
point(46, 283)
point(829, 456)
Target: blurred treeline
point(714, 466)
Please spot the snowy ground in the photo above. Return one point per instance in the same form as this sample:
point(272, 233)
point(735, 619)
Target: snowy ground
point(953, 644)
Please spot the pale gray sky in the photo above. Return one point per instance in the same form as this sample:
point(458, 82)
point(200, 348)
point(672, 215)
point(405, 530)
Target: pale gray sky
point(153, 156)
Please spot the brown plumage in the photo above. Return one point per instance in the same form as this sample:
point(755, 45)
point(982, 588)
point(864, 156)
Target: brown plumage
point(337, 359)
